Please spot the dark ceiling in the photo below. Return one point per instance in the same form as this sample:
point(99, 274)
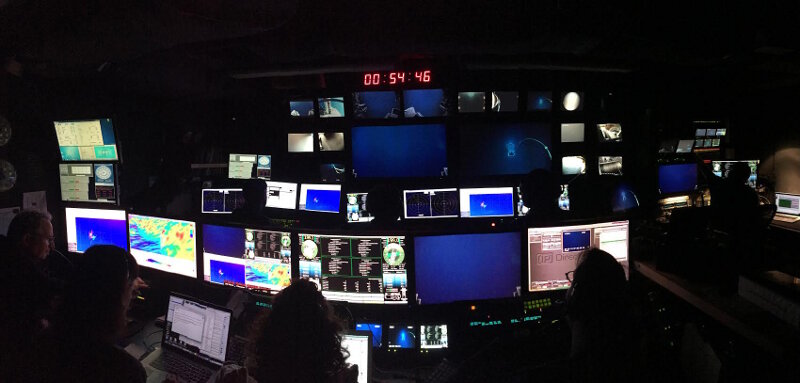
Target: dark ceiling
point(182, 43)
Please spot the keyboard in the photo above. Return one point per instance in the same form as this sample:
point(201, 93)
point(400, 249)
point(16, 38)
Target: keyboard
point(786, 218)
point(183, 368)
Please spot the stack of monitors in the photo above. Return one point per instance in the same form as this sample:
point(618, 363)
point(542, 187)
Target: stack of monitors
point(221, 201)
point(357, 269)
point(247, 258)
point(708, 137)
point(554, 251)
point(88, 182)
point(89, 227)
point(721, 169)
point(86, 140)
point(164, 244)
point(245, 166)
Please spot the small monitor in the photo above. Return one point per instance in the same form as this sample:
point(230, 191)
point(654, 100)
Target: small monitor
point(320, 197)
point(708, 143)
point(540, 101)
point(164, 244)
point(487, 202)
point(332, 172)
point(331, 142)
point(301, 108)
point(572, 101)
point(430, 203)
point(86, 140)
point(356, 269)
point(89, 227)
point(282, 195)
point(677, 178)
point(684, 146)
point(700, 133)
point(377, 332)
point(399, 151)
point(401, 336)
point(505, 101)
point(572, 132)
point(722, 169)
point(424, 103)
point(357, 208)
point(221, 201)
point(563, 199)
point(609, 132)
point(359, 352)
point(787, 203)
point(376, 105)
point(554, 251)
point(715, 143)
point(247, 258)
point(698, 143)
point(331, 107)
point(467, 267)
point(245, 166)
point(433, 337)
point(471, 102)
point(88, 182)
point(571, 165)
point(721, 132)
point(610, 165)
point(301, 142)
point(711, 132)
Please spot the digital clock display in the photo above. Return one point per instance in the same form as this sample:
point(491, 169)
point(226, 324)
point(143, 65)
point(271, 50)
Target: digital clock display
point(397, 78)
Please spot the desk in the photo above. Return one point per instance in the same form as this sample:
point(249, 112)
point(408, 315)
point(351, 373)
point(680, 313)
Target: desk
point(793, 226)
point(734, 312)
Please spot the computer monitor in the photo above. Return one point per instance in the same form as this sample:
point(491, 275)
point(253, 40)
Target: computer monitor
point(331, 107)
point(424, 103)
point(572, 132)
point(401, 336)
point(221, 201)
point(244, 166)
point(787, 203)
point(320, 197)
point(88, 182)
point(554, 251)
point(356, 269)
point(89, 227)
point(430, 203)
point(376, 105)
point(330, 141)
point(540, 101)
point(685, 146)
point(677, 178)
point(164, 244)
point(610, 165)
point(86, 140)
point(359, 350)
point(505, 101)
point(512, 148)
point(333, 172)
point(377, 332)
point(301, 142)
point(301, 108)
point(722, 168)
point(487, 202)
point(357, 208)
point(609, 132)
point(282, 195)
point(433, 337)
point(399, 151)
point(467, 267)
point(571, 165)
point(247, 258)
point(471, 102)
point(197, 328)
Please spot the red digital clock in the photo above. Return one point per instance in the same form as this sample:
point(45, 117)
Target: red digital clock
point(396, 78)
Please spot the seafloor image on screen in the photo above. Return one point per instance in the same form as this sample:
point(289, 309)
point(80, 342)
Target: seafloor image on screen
point(509, 148)
point(573, 165)
point(399, 151)
point(424, 103)
point(332, 172)
point(301, 108)
point(610, 165)
point(540, 101)
point(505, 101)
point(163, 236)
point(609, 132)
point(331, 107)
point(99, 231)
point(331, 142)
point(376, 105)
point(471, 102)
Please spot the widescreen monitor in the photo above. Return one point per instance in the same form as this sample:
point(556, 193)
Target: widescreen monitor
point(609, 132)
point(504, 148)
point(677, 178)
point(554, 251)
point(88, 182)
point(471, 102)
point(610, 165)
point(301, 142)
point(301, 108)
point(572, 132)
point(503, 101)
point(282, 195)
point(245, 166)
point(320, 197)
point(376, 105)
point(399, 151)
point(164, 244)
point(357, 208)
point(424, 103)
point(331, 107)
point(722, 168)
point(430, 203)
point(247, 258)
point(467, 267)
point(787, 203)
point(433, 337)
point(221, 201)
point(86, 140)
point(401, 336)
point(89, 227)
point(330, 141)
point(356, 269)
point(487, 202)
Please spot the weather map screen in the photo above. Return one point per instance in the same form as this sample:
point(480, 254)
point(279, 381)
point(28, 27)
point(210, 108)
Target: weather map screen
point(554, 251)
point(221, 201)
point(164, 244)
point(89, 227)
point(464, 267)
point(432, 203)
point(320, 197)
point(244, 166)
point(507, 148)
point(88, 182)
point(487, 202)
point(86, 140)
point(247, 258)
point(362, 269)
point(677, 178)
point(399, 151)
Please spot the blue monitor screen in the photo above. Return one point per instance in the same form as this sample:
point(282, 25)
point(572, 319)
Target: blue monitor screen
point(304, 108)
point(511, 148)
point(376, 329)
point(402, 337)
point(540, 101)
point(226, 273)
point(399, 151)
point(491, 205)
point(424, 103)
point(576, 240)
point(223, 240)
point(99, 231)
point(677, 178)
point(376, 105)
point(323, 200)
point(467, 267)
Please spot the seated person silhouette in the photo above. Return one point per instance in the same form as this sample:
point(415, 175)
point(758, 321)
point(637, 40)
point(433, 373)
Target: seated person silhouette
point(540, 192)
point(384, 203)
point(81, 344)
point(254, 192)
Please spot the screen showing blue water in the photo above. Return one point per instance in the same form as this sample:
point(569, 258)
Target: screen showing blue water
point(376, 105)
point(463, 267)
point(506, 148)
point(399, 151)
point(424, 103)
point(99, 231)
point(301, 108)
point(224, 272)
point(323, 200)
point(576, 240)
point(401, 337)
point(491, 205)
point(376, 329)
point(677, 178)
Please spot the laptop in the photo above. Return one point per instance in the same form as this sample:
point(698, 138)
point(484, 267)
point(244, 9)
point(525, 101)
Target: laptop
point(359, 345)
point(788, 207)
point(194, 343)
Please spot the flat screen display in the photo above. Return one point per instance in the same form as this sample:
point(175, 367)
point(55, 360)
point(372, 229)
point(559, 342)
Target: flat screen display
point(540, 101)
point(610, 165)
point(221, 201)
point(301, 142)
point(164, 244)
point(331, 107)
point(722, 168)
point(86, 140)
point(301, 108)
point(401, 336)
point(399, 151)
point(331, 141)
point(377, 332)
point(433, 336)
point(487, 202)
point(332, 172)
point(504, 148)
point(471, 102)
point(609, 132)
point(677, 178)
point(430, 203)
point(573, 165)
point(505, 101)
point(245, 166)
point(282, 195)
point(88, 182)
point(357, 208)
point(89, 227)
point(465, 267)
point(376, 105)
point(787, 203)
point(572, 132)
point(424, 103)
point(685, 146)
point(320, 197)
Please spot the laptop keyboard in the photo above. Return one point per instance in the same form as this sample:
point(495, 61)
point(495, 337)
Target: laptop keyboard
point(185, 369)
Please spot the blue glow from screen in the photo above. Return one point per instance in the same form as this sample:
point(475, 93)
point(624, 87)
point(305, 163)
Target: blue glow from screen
point(491, 205)
point(323, 200)
point(399, 151)
point(677, 178)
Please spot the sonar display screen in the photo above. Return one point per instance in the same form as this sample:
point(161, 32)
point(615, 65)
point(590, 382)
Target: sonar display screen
point(164, 244)
point(505, 149)
point(433, 203)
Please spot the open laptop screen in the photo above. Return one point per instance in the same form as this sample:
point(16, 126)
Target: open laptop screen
point(197, 329)
point(788, 203)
